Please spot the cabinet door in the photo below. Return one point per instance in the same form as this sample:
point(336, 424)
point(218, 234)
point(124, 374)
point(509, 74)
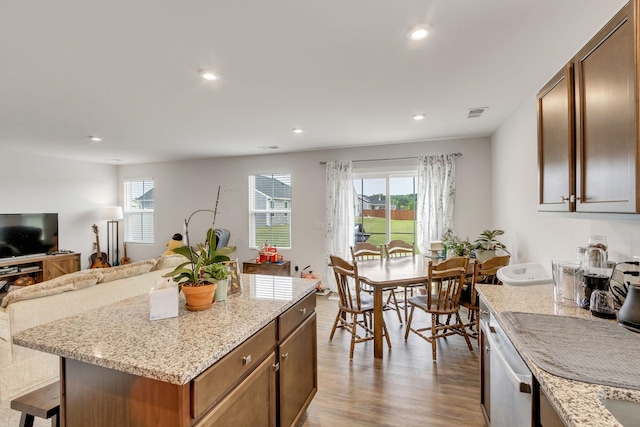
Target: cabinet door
point(57, 265)
point(606, 114)
point(298, 372)
point(556, 142)
point(251, 404)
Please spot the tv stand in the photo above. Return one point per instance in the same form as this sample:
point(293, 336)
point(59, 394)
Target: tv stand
point(39, 267)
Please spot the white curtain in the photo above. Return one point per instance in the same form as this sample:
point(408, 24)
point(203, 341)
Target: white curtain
point(436, 196)
point(340, 214)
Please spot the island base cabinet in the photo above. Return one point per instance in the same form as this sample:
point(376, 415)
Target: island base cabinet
point(251, 403)
point(298, 372)
point(96, 396)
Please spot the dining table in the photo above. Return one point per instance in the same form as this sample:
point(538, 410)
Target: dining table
point(388, 272)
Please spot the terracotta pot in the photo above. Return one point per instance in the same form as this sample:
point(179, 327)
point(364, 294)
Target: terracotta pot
point(199, 297)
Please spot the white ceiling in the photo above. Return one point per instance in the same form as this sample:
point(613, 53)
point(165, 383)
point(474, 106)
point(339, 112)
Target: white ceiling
point(342, 70)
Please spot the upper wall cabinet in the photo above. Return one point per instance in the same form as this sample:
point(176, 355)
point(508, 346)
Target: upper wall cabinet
point(590, 164)
point(556, 143)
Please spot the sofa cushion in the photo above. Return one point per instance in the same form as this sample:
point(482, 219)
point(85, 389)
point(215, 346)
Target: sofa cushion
point(67, 282)
point(169, 261)
point(127, 270)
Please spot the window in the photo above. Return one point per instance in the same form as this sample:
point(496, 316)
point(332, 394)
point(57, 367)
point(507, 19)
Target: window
point(138, 211)
point(385, 207)
point(270, 210)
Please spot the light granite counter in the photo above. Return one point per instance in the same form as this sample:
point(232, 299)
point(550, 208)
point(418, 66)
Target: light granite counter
point(578, 403)
point(174, 350)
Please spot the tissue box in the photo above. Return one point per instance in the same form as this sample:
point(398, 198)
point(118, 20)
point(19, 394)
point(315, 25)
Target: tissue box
point(163, 303)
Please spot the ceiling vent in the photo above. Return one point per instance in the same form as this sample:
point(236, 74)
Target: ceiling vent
point(476, 112)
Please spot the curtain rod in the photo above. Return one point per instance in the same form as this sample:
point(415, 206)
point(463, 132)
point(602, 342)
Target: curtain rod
point(324, 162)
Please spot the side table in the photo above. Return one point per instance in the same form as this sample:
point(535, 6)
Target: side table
point(268, 268)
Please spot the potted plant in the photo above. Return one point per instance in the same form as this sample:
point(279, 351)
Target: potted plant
point(198, 276)
point(454, 245)
point(487, 244)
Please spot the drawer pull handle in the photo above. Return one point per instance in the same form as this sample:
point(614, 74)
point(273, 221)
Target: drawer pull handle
point(285, 355)
point(484, 311)
point(303, 311)
point(246, 360)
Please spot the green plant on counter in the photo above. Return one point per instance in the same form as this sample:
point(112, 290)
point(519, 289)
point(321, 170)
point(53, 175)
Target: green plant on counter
point(205, 263)
point(488, 242)
point(453, 244)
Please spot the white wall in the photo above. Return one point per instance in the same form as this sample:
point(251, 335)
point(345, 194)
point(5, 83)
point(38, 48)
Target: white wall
point(543, 236)
point(184, 186)
point(75, 190)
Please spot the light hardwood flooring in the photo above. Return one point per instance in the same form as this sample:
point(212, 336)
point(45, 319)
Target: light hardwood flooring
point(406, 388)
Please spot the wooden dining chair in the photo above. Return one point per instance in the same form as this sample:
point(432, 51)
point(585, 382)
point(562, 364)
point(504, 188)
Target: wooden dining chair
point(485, 273)
point(355, 308)
point(367, 251)
point(442, 298)
point(397, 249)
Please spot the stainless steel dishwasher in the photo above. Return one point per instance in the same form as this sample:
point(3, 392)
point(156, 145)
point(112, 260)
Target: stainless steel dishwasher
point(511, 382)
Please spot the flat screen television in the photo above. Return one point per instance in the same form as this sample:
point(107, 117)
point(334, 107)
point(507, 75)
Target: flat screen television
point(28, 234)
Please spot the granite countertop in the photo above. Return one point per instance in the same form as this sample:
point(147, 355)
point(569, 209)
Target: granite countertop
point(578, 403)
point(175, 350)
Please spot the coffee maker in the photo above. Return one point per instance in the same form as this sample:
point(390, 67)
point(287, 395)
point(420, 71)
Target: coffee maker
point(595, 281)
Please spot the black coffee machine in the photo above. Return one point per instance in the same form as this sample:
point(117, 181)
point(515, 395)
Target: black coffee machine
point(597, 296)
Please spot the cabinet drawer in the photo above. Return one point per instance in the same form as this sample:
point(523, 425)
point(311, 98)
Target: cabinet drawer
point(210, 386)
point(290, 319)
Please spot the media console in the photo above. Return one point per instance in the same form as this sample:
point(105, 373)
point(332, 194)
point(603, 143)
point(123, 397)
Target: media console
point(39, 267)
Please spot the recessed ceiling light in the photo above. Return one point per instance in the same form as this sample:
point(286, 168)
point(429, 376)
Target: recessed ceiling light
point(208, 75)
point(95, 138)
point(419, 116)
point(419, 32)
point(297, 130)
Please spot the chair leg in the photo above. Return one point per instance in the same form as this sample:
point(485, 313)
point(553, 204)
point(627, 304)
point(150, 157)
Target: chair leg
point(386, 333)
point(464, 331)
point(335, 324)
point(354, 320)
point(434, 319)
point(408, 326)
point(395, 304)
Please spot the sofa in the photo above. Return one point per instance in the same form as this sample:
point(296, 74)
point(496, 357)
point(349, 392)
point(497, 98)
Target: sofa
point(22, 369)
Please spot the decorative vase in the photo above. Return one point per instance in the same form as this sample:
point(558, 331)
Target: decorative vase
point(199, 297)
point(222, 289)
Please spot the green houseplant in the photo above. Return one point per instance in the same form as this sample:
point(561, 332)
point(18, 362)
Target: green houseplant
point(454, 245)
point(486, 244)
point(198, 276)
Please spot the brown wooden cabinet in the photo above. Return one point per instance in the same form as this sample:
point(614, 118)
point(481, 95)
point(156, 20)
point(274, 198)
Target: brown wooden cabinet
point(556, 143)
point(298, 378)
point(268, 268)
point(41, 268)
point(58, 265)
point(268, 380)
point(590, 164)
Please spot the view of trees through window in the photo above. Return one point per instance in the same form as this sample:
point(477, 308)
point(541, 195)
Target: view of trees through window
point(385, 209)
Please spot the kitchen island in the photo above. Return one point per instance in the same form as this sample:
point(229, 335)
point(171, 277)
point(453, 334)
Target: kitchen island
point(249, 360)
point(576, 403)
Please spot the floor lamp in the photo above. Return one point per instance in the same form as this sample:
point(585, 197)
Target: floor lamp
point(113, 214)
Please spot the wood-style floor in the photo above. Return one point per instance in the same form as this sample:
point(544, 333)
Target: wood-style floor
point(406, 388)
